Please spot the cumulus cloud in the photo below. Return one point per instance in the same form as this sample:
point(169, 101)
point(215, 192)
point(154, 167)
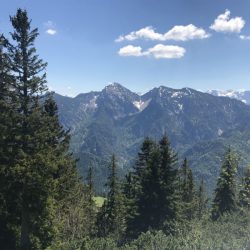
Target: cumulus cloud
point(242, 37)
point(223, 23)
point(166, 51)
point(184, 33)
point(50, 28)
point(130, 50)
point(158, 51)
point(146, 33)
point(177, 33)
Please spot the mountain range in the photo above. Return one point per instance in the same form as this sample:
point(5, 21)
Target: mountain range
point(116, 120)
point(241, 95)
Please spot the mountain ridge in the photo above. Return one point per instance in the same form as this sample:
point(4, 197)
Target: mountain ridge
point(115, 120)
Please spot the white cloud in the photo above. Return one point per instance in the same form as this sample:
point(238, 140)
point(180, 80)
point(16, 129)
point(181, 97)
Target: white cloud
point(184, 33)
point(223, 23)
point(166, 51)
point(50, 28)
point(158, 51)
point(242, 37)
point(130, 50)
point(51, 31)
point(177, 33)
point(146, 33)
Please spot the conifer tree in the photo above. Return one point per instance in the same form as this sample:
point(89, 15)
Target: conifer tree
point(41, 175)
point(129, 193)
point(111, 219)
point(170, 207)
point(7, 104)
point(28, 85)
point(149, 200)
point(135, 189)
point(143, 158)
point(202, 200)
point(90, 206)
point(156, 197)
point(187, 191)
point(225, 200)
point(244, 196)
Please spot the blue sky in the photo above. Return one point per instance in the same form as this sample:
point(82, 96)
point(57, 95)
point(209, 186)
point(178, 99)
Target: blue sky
point(202, 44)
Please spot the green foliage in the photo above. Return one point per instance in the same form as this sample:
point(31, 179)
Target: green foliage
point(225, 200)
point(8, 119)
point(111, 218)
point(230, 232)
point(244, 196)
point(90, 206)
point(152, 188)
point(187, 191)
point(201, 200)
point(42, 197)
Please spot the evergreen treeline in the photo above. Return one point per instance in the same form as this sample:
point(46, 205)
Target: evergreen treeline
point(45, 205)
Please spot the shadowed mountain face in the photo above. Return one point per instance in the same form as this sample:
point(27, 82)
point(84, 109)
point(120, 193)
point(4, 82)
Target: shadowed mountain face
point(116, 120)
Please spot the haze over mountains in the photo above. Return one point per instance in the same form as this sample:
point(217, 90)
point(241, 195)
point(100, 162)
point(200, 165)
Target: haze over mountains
point(115, 120)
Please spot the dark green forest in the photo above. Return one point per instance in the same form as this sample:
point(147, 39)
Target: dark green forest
point(46, 204)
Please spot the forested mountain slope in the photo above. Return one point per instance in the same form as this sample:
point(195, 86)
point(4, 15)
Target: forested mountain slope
point(115, 120)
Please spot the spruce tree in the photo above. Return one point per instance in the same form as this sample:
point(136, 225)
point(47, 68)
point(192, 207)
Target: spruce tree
point(8, 198)
point(129, 193)
point(41, 176)
point(111, 219)
point(156, 197)
point(69, 195)
point(170, 208)
point(149, 200)
point(28, 85)
point(90, 206)
point(187, 191)
point(143, 158)
point(244, 196)
point(225, 200)
point(135, 189)
point(202, 200)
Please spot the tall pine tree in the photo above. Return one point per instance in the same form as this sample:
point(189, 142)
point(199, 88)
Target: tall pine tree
point(187, 191)
point(40, 174)
point(170, 209)
point(244, 196)
point(202, 200)
point(111, 219)
point(8, 198)
point(225, 200)
point(90, 206)
point(156, 198)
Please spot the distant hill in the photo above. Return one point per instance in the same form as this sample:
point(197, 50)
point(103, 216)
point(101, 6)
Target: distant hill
point(115, 120)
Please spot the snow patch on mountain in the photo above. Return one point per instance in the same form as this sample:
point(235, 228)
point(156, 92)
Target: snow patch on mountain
point(93, 103)
point(220, 132)
point(90, 105)
point(180, 106)
point(240, 94)
point(179, 94)
point(176, 94)
point(140, 105)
